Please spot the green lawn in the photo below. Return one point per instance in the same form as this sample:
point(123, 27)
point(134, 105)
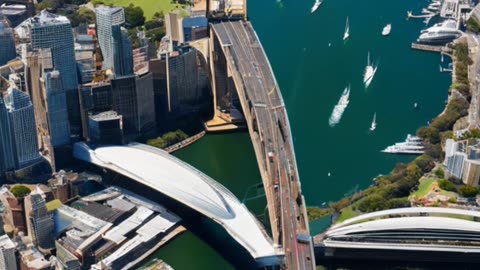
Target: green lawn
point(424, 187)
point(149, 6)
point(347, 213)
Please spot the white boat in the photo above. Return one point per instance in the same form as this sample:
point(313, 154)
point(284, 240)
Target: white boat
point(415, 106)
point(347, 30)
point(413, 145)
point(340, 107)
point(370, 70)
point(316, 5)
point(374, 122)
point(386, 30)
point(441, 58)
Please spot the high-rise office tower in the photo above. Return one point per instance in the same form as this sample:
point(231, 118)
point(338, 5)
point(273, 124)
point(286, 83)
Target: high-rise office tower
point(40, 224)
point(7, 42)
point(7, 161)
point(7, 253)
point(113, 39)
point(24, 130)
point(55, 32)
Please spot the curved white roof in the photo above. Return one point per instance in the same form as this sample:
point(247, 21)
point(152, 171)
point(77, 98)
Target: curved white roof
point(440, 223)
point(165, 173)
point(408, 211)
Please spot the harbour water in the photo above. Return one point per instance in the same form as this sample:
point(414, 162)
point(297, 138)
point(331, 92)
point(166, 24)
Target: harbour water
point(312, 75)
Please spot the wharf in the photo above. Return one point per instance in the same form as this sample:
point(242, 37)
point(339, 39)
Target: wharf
point(184, 143)
point(158, 265)
point(431, 48)
point(180, 229)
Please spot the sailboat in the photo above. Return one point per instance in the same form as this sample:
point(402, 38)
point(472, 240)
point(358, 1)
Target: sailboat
point(316, 5)
point(370, 70)
point(374, 122)
point(347, 31)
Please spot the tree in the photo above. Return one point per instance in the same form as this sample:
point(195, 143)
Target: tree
point(468, 191)
point(20, 191)
point(434, 150)
point(473, 25)
point(158, 15)
point(440, 173)
point(398, 203)
point(372, 203)
point(134, 16)
point(429, 134)
point(446, 185)
point(425, 163)
point(82, 16)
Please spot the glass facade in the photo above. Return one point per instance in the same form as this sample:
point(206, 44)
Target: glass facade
point(57, 109)
point(22, 119)
point(7, 161)
point(55, 32)
point(113, 39)
point(7, 43)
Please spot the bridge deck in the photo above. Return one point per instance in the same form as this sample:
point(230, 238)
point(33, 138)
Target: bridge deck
point(269, 128)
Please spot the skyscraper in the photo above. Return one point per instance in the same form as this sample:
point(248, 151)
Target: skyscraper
point(57, 109)
point(7, 161)
point(133, 98)
point(7, 42)
point(22, 119)
point(113, 39)
point(7, 253)
point(55, 32)
point(40, 224)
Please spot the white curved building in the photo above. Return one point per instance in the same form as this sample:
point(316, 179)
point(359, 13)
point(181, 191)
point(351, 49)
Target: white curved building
point(176, 179)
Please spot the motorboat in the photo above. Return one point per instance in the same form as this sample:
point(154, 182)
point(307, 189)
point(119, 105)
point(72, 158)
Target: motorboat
point(386, 30)
point(440, 33)
point(316, 5)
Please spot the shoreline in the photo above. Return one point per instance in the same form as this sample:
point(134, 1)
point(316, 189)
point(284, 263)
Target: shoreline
point(180, 145)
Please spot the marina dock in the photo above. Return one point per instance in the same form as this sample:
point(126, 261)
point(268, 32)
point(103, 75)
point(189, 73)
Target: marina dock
point(431, 48)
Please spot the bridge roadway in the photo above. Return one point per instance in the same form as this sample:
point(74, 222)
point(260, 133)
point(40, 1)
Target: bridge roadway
point(269, 129)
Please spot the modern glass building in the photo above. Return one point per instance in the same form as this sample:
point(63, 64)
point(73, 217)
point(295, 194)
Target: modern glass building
point(22, 119)
point(55, 32)
point(40, 222)
point(57, 109)
point(7, 43)
point(113, 39)
point(7, 161)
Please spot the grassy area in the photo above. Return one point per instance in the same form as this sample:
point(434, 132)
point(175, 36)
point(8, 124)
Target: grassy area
point(347, 213)
point(315, 213)
point(149, 6)
point(424, 188)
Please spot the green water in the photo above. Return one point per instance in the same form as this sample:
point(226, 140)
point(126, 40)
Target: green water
point(312, 76)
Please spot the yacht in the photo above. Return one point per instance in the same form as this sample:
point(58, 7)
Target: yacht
point(340, 107)
point(440, 33)
point(413, 145)
point(347, 31)
point(316, 5)
point(370, 70)
point(374, 122)
point(386, 30)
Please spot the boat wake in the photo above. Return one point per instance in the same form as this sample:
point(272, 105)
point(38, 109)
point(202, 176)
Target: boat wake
point(340, 107)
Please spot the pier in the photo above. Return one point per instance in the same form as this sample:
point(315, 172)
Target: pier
point(432, 48)
point(184, 143)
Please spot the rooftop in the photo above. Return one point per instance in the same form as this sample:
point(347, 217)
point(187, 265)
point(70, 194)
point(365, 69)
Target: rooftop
point(6, 242)
point(47, 18)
